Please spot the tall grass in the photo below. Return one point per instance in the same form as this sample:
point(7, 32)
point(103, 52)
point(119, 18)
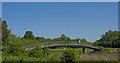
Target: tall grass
point(56, 53)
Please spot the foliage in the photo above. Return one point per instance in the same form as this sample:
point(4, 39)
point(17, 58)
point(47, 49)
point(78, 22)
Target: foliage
point(64, 38)
point(37, 52)
point(102, 48)
point(109, 39)
point(108, 36)
point(40, 38)
point(16, 50)
point(53, 58)
point(29, 35)
point(68, 55)
point(48, 39)
point(56, 39)
point(5, 31)
point(46, 51)
point(27, 42)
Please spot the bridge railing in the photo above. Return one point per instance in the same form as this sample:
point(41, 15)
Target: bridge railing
point(65, 42)
point(62, 42)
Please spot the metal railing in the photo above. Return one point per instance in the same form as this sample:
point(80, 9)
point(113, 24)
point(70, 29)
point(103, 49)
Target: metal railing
point(62, 42)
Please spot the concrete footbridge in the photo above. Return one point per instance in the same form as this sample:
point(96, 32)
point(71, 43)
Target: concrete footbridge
point(83, 45)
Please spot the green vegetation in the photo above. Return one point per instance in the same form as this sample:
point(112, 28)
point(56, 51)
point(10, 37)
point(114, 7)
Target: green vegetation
point(13, 47)
point(37, 52)
point(56, 54)
point(109, 39)
point(68, 55)
point(29, 35)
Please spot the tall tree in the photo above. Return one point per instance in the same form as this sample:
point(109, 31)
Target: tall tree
point(5, 31)
point(40, 38)
point(63, 37)
point(29, 35)
point(0, 29)
point(109, 39)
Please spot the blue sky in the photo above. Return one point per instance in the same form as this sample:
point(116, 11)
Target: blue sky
point(50, 20)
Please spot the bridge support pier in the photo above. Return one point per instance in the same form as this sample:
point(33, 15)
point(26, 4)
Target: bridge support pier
point(84, 50)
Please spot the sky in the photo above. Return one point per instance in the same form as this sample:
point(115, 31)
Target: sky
point(60, 0)
point(0, 9)
point(51, 19)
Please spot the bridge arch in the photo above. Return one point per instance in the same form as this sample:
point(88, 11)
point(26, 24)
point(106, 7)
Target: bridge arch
point(68, 44)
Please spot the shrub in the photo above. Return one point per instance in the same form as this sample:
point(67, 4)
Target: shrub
point(102, 48)
point(37, 52)
point(53, 57)
point(68, 55)
point(15, 50)
point(46, 51)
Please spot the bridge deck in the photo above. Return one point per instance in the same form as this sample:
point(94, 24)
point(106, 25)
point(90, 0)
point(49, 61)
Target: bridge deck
point(70, 45)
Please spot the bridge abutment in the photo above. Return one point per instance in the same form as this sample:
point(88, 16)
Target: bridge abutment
point(84, 50)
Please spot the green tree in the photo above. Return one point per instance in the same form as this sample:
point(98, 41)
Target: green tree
point(29, 35)
point(56, 39)
point(5, 37)
point(0, 30)
point(46, 51)
point(5, 31)
point(63, 37)
point(108, 39)
point(16, 50)
point(48, 39)
point(83, 40)
point(40, 38)
point(37, 52)
point(67, 39)
point(68, 55)
point(77, 39)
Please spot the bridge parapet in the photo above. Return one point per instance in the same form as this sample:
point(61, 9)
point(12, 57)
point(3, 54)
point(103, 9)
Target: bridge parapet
point(63, 43)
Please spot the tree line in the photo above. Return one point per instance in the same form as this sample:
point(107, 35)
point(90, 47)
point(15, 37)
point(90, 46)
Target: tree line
point(29, 35)
point(109, 39)
point(11, 43)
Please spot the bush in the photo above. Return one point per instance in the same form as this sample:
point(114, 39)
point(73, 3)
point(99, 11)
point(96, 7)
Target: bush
point(53, 57)
point(15, 50)
point(68, 55)
point(37, 52)
point(46, 51)
point(102, 48)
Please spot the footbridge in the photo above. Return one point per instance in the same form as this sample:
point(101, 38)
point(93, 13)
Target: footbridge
point(83, 45)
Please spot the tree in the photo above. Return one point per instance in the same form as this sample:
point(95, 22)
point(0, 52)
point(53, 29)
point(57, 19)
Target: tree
point(5, 37)
point(63, 37)
point(48, 39)
point(40, 38)
point(67, 39)
point(83, 40)
point(108, 39)
point(5, 31)
point(57, 39)
point(37, 52)
point(16, 49)
point(46, 51)
point(0, 29)
point(77, 39)
point(108, 36)
point(29, 35)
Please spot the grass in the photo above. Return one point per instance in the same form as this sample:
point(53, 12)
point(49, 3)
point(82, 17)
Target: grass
point(56, 53)
point(103, 56)
point(76, 49)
